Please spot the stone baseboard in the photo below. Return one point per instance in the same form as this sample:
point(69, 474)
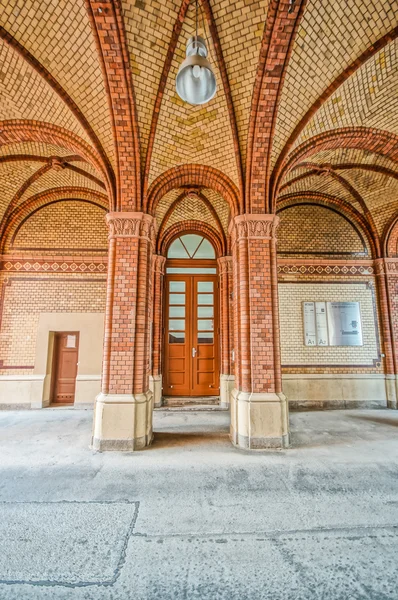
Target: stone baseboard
point(120, 445)
point(155, 385)
point(303, 405)
point(227, 383)
point(15, 406)
point(266, 443)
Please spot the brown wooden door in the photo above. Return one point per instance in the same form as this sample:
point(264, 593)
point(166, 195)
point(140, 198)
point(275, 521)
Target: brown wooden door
point(191, 366)
point(66, 349)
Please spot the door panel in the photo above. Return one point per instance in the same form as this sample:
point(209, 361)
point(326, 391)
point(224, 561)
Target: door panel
point(191, 336)
point(66, 348)
point(205, 334)
point(177, 336)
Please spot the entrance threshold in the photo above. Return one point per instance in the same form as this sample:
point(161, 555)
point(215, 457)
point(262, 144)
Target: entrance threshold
point(179, 403)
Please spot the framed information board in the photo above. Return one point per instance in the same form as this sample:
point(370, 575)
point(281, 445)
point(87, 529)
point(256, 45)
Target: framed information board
point(344, 321)
point(332, 324)
point(321, 324)
point(309, 323)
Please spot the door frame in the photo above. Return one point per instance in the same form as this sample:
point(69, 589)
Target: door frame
point(54, 364)
point(189, 264)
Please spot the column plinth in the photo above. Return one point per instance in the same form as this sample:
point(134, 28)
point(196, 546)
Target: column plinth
point(123, 422)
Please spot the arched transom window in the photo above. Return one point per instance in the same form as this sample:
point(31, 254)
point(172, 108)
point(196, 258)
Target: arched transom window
point(191, 245)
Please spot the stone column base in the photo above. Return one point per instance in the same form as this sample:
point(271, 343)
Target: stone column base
point(155, 385)
point(392, 391)
point(122, 422)
point(259, 421)
point(226, 386)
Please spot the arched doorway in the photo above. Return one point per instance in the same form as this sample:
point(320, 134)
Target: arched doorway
point(191, 318)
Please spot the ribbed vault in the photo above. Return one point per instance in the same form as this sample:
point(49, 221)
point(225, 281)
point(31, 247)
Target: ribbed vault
point(306, 104)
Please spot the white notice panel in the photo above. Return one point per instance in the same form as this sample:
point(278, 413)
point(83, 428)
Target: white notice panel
point(322, 338)
point(309, 323)
point(332, 324)
point(344, 319)
point(71, 341)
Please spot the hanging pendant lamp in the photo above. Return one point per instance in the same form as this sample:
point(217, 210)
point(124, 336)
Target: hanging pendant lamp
point(195, 81)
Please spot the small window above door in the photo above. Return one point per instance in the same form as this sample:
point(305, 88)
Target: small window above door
point(191, 245)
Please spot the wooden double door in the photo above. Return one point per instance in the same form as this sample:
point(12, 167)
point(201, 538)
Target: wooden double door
point(191, 357)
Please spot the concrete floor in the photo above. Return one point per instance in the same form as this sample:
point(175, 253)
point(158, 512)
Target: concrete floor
point(194, 518)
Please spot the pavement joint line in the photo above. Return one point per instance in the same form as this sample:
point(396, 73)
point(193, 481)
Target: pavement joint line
point(266, 535)
point(82, 584)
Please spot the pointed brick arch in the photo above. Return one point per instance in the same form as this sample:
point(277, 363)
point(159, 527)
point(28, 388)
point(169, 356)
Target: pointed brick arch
point(31, 205)
point(350, 70)
point(65, 162)
point(193, 176)
point(347, 211)
point(178, 200)
point(54, 84)
point(346, 185)
point(192, 226)
point(363, 138)
point(317, 167)
point(20, 130)
point(390, 238)
point(36, 158)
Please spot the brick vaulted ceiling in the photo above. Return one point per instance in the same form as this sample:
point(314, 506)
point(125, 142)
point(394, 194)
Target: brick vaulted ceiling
point(307, 105)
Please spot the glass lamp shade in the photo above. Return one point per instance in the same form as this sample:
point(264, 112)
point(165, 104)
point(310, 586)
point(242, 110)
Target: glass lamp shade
point(195, 81)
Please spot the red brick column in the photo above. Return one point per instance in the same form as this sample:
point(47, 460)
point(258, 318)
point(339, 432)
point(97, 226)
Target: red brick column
point(123, 412)
point(259, 414)
point(155, 380)
point(226, 330)
point(387, 283)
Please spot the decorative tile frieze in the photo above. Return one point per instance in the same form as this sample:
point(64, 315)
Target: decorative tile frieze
point(325, 269)
point(391, 265)
point(50, 266)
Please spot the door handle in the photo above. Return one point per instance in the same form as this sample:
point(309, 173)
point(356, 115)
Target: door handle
point(193, 352)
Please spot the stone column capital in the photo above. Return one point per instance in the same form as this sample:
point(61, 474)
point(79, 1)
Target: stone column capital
point(158, 262)
point(250, 226)
point(380, 266)
point(225, 264)
point(131, 225)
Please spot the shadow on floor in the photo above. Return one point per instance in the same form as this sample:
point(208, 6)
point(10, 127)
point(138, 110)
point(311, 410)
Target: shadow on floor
point(391, 421)
point(168, 439)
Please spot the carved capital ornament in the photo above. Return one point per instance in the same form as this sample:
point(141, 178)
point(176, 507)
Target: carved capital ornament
point(131, 225)
point(253, 226)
